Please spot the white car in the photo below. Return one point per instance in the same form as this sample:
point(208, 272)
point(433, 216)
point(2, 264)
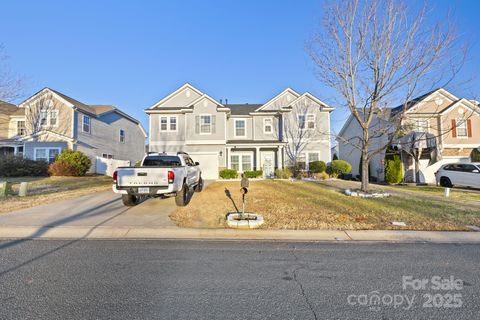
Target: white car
point(459, 174)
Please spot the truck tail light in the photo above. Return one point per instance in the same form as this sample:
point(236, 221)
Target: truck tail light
point(114, 176)
point(171, 176)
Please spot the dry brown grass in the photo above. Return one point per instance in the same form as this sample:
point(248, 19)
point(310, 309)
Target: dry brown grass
point(310, 205)
point(51, 189)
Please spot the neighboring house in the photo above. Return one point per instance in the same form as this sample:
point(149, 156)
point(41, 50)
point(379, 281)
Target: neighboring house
point(291, 127)
point(449, 123)
point(49, 122)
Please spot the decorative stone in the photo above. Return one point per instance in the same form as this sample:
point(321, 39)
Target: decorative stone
point(399, 223)
point(4, 188)
point(22, 191)
point(361, 194)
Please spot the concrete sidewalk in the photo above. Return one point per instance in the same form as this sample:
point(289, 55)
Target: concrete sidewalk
point(124, 233)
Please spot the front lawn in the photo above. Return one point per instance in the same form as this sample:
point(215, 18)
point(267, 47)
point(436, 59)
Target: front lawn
point(42, 190)
point(312, 205)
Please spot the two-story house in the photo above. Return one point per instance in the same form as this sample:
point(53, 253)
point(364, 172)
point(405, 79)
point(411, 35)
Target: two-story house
point(449, 123)
point(291, 127)
point(49, 122)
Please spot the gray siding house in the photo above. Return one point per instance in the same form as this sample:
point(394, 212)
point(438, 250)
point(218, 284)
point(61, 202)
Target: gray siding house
point(49, 122)
point(291, 127)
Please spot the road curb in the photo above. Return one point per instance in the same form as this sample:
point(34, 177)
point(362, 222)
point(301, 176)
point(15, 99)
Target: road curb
point(127, 233)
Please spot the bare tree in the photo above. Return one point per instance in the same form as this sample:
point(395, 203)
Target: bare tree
point(301, 128)
point(375, 53)
point(11, 85)
point(46, 114)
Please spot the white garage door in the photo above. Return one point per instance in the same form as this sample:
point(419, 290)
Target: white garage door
point(208, 164)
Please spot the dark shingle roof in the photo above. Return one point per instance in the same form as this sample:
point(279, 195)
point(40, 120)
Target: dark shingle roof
point(254, 141)
point(243, 109)
point(411, 103)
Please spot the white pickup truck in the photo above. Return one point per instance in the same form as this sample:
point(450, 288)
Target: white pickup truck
point(159, 175)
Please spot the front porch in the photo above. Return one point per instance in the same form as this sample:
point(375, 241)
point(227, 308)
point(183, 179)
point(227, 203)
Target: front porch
point(248, 156)
point(11, 148)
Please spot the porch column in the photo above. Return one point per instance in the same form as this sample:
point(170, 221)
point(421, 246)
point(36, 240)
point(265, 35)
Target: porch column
point(257, 157)
point(228, 149)
point(280, 158)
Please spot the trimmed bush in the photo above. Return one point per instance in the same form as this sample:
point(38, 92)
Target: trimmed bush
point(13, 166)
point(76, 159)
point(62, 168)
point(253, 174)
point(394, 170)
point(317, 166)
point(321, 176)
point(228, 174)
point(284, 173)
point(340, 167)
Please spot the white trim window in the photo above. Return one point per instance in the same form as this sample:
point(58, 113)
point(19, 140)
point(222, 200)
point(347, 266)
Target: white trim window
point(168, 124)
point(268, 125)
point(46, 154)
point(240, 128)
point(107, 156)
point(306, 121)
point(86, 124)
point(43, 118)
point(241, 162)
point(21, 129)
point(53, 118)
point(422, 125)
point(121, 136)
point(48, 118)
point(310, 157)
point(462, 130)
point(205, 124)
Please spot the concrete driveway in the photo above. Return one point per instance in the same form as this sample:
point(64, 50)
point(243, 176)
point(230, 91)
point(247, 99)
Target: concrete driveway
point(94, 210)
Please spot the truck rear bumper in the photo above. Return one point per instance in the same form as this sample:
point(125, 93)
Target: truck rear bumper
point(153, 190)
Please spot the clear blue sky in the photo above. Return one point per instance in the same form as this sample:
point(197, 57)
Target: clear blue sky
point(132, 53)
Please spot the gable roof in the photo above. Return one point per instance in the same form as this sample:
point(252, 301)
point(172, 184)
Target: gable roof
point(293, 92)
point(186, 85)
point(413, 102)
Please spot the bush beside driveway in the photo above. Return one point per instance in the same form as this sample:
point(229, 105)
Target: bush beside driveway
point(43, 190)
point(321, 205)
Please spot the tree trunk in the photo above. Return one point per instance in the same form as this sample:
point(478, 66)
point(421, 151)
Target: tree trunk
point(365, 173)
point(365, 161)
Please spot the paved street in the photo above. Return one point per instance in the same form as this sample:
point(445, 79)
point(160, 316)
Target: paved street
point(45, 279)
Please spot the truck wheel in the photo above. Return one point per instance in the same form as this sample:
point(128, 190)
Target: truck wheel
point(181, 197)
point(199, 186)
point(129, 200)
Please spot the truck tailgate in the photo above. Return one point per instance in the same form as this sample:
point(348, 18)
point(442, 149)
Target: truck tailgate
point(142, 177)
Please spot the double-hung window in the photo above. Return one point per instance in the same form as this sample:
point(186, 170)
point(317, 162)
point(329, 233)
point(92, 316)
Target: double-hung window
point(122, 136)
point(168, 123)
point(54, 118)
point(240, 128)
point(43, 118)
point(205, 124)
point(21, 129)
point(306, 121)
point(421, 125)
point(462, 127)
point(268, 125)
point(86, 124)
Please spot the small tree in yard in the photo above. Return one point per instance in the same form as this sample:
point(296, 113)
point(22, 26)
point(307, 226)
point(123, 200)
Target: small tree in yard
point(377, 53)
point(340, 167)
point(317, 166)
point(394, 170)
point(73, 159)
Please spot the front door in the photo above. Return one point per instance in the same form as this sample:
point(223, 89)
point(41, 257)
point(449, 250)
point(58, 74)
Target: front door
point(268, 163)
